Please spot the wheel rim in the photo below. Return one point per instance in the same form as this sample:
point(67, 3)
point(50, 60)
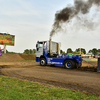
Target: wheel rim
point(42, 62)
point(68, 64)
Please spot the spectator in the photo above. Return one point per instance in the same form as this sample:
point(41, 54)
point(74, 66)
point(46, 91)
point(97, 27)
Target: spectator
point(1, 50)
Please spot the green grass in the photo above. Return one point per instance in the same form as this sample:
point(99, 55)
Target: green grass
point(15, 89)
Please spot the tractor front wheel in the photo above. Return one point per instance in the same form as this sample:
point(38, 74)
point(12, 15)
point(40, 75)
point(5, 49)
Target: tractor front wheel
point(43, 62)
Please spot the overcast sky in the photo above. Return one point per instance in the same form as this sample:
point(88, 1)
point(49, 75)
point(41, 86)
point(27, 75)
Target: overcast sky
point(32, 20)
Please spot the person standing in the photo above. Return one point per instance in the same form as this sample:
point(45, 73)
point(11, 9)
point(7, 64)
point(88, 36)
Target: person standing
point(1, 50)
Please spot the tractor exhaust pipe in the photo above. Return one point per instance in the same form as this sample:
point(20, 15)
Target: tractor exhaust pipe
point(50, 46)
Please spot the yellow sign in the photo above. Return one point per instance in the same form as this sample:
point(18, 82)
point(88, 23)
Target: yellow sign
point(7, 39)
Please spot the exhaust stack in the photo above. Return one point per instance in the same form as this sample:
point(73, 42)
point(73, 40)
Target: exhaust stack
point(50, 46)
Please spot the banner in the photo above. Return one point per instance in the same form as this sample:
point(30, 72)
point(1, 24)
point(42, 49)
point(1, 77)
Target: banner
point(7, 39)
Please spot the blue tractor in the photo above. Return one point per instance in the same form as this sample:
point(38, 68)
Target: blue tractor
point(48, 52)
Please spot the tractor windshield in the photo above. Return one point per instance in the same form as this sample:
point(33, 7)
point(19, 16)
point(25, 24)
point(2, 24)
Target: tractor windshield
point(39, 45)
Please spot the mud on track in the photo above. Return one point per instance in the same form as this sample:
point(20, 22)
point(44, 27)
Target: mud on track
point(85, 81)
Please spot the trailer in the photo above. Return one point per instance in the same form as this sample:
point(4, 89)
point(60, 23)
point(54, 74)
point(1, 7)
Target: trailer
point(48, 52)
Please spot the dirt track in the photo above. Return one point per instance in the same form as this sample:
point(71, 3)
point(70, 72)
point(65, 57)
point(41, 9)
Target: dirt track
point(85, 81)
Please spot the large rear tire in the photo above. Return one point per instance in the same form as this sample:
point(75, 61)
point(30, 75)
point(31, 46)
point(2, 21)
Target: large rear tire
point(43, 62)
point(69, 64)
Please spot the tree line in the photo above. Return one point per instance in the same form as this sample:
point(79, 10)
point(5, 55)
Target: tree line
point(94, 51)
point(29, 51)
point(77, 51)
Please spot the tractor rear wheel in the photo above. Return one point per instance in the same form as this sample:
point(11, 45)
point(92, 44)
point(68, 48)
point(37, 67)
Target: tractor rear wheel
point(69, 64)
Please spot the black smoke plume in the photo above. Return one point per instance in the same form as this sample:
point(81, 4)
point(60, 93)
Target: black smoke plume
point(66, 14)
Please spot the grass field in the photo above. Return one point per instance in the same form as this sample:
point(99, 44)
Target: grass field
point(15, 89)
